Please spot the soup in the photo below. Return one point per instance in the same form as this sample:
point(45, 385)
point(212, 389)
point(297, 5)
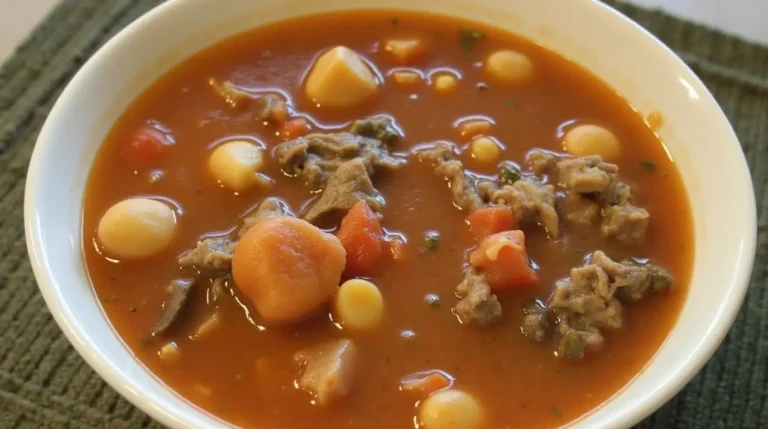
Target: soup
point(384, 220)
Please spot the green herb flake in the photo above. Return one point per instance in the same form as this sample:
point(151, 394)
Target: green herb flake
point(147, 341)
point(431, 241)
point(648, 166)
point(509, 173)
point(395, 21)
point(133, 309)
point(469, 38)
point(511, 104)
point(433, 300)
point(556, 412)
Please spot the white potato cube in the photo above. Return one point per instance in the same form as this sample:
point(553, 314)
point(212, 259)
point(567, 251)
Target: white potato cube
point(340, 78)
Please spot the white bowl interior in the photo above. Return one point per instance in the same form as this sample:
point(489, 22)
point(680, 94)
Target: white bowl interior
point(696, 133)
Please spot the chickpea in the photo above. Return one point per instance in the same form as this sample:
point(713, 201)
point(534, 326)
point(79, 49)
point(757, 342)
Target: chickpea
point(445, 83)
point(235, 164)
point(485, 149)
point(359, 305)
point(136, 228)
point(451, 409)
point(584, 140)
point(509, 67)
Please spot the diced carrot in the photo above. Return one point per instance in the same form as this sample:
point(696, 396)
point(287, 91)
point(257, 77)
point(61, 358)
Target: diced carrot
point(288, 267)
point(361, 235)
point(490, 220)
point(397, 249)
point(294, 128)
point(147, 146)
point(426, 382)
point(279, 113)
point(503, 258)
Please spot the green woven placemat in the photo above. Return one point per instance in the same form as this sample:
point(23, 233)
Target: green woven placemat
point(45, 384)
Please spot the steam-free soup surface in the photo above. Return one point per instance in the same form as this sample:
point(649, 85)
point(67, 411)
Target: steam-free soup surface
point(519, 356)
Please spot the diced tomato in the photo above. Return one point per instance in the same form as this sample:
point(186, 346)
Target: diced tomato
point(147, 146)
point(490, 220)
point(294, 128)
point(361, 235)
point(503, 258)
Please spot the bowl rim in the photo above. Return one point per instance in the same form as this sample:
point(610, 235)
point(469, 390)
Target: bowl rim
point(132, 391)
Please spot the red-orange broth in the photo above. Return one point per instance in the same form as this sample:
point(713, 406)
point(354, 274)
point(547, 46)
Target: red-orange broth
point(244, 373)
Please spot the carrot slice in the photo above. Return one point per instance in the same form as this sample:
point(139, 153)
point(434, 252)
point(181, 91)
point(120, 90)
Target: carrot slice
point(361, 235)
point(294, 128)
point(503, 258)
point(490, 220)
point(288, 267)
point(426, 382)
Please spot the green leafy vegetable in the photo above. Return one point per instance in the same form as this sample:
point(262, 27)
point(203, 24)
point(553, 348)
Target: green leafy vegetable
point(509, 173)
point(648, 165)
point(468, 39)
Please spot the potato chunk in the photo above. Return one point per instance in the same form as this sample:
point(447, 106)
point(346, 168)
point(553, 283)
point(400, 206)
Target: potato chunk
point(584, 140)
point(235, 164)
point(404, 51)
point(507, 66)
point(136, 228)
point(451, 409)
point(329, 370)
point(340, 78)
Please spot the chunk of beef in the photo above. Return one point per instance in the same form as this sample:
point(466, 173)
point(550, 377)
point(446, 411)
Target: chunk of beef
point(316, 156)
point(346, 186)
point(463, 185)
point(231, 94)
point(580, 209)
point(589, 300)
point(535, 321)
point(626, 222)
point(269, 207)
point(269, 107)
point(212, 256)
point(542, 161)
point(588, 175)
point(379, 127)
point(478, 306)
point(532, 202)
point(178, 292)
point(329, 370)
point(265, 107)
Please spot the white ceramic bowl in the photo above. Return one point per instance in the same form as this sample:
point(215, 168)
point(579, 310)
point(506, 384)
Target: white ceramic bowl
point(697, 134)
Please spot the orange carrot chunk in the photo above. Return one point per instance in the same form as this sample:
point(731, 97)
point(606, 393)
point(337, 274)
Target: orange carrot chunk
point(503, 258)
point(294, 128)
point(490, 220)
point(426, 382)
point(361, 235)
point(288, 268)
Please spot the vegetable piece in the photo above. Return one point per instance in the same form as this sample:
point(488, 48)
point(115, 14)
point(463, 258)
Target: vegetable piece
point(469, 38)
point(147, 146)
point(359, 305)
point(433, 300)
point(136, 228)
point(230, 93)
point(340, 78)
point(509, 173)
point(406, 77)
point(485, 149)
point(169, 352)
point(503, 258)
point(431, 241)
point(288, 267)
point(397, 249)
point(404, 51)
point(491, 220)
point(451, 409)
point(445, 83)
point(584, 140)
point(474, 128)
point(426, 382)
point(361, 235)
point(329, 370)
point(210, 324)
point(649, 166)
point(178, 292)
point(235, 164)
point(295, 128)
point(509, 67)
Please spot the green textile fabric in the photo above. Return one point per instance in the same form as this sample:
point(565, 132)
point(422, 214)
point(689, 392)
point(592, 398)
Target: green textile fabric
point(45, 384)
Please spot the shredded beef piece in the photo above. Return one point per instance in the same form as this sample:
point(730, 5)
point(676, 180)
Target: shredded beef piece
point(178, 292)
point(589, 300)
point(535, 322)
point(329, 370)
point(542, 161)
point(316, 156)
point(346, 186)
point(532, 202)
point(464, 187)
point(269, 207)
point(211, 256)
point(627, 223)
point(380, 127)
point(478, 306)
point(580, 209)
point(587, 175)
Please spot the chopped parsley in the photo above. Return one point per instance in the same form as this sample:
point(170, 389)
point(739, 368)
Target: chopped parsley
point(509, 173)
point(511, 104)
point(433, 300)
point(468, 39)
point(648, 165)
point(431, 241)
point(133, 309)
point(556, 412)
point(147, 341)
